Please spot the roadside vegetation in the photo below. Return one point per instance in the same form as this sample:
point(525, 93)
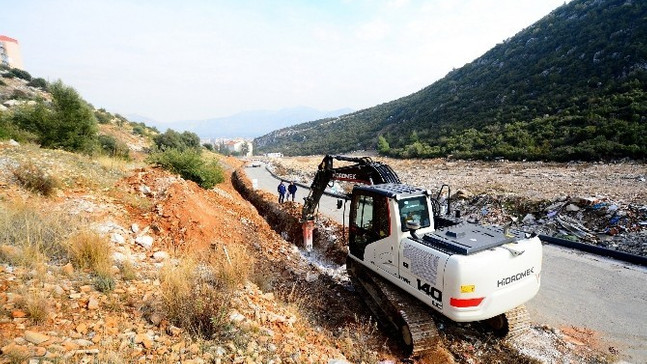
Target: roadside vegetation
point(182, 153)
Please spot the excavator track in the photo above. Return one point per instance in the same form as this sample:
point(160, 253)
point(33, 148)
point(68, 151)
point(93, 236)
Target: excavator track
point(413, 321)
point(396, 310)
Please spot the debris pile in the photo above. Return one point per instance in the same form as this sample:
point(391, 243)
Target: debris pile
point(593, 203)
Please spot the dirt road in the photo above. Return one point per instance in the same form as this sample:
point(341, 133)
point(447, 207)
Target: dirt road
point(580, 292)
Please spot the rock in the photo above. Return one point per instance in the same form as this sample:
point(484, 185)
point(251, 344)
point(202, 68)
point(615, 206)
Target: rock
point(35, 337)
point(83, 342)
point(82, 328)
point(119, 257)
point(146, 241)
point(160, 256)
point(134, 228)
point(18, 314)
point(39, 351)
point(572, 208)
point(173, 330)
point(117, 238)
point(145, 190)
point(529, 219)
point(13, 143)
point(93, 303)
point(86, 288)
point(144, 339)
point(68, 269)
point(15, 350)
point(311, 277)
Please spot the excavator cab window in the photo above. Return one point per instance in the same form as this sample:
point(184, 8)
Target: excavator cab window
point(414, 209)
point(369, 222)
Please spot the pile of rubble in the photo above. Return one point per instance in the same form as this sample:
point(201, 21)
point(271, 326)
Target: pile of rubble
point(594, 203)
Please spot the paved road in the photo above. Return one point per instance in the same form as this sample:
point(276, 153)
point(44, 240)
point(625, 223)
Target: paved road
point(578, 289)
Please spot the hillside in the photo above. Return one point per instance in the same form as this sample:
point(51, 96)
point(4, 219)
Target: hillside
point(571, 86)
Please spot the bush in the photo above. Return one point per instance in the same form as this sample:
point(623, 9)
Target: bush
point(190, 165)
point(87, 250)
point(104, 282)
point(113, 147)
point(35, 179)
point(68, 123)
point(102, 116)
point(39, 83)
point(171, 139)
point(139, 130)
point(36, 307)
point(196, 294)
point(20, 74)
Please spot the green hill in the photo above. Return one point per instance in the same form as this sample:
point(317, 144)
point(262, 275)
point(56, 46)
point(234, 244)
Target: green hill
point(571, 86)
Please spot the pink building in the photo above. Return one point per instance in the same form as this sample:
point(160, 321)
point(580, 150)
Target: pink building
point(10, 52)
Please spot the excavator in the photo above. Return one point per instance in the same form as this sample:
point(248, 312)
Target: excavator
point(410, 256)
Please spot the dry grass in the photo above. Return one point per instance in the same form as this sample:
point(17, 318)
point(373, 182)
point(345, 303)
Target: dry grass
point(196, 292)
point(356, 342)
point(88, 250)
point(35, 179)
point(35, 305)
point(127, 271)
point(29, 238)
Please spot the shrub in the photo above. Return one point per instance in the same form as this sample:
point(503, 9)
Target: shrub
point(139, 130)
point(39, 83)
point(171, 139)
point(102, 116)
point(87, 250)
point(68, 123)
point(20, 74)
point(35, 179)
point(190, 165)
point(195, 294)
point(36, 307)
point(104, 282)
point(114, 148)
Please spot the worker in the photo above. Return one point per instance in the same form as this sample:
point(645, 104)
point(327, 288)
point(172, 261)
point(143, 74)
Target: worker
point(281, 190)
point(292, 190)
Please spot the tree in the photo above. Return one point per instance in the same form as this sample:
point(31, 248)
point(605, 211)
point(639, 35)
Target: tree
point(67, 123)
point(244, 149)
point(382, 145)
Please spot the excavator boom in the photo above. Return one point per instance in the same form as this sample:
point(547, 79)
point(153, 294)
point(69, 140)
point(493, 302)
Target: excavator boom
point(363, 170)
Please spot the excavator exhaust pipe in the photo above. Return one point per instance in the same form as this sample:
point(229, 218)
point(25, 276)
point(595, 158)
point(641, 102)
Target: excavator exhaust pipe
point(308, 229)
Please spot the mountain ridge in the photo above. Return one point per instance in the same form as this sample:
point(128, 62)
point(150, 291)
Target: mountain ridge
point(570, 86)
point(256, 122)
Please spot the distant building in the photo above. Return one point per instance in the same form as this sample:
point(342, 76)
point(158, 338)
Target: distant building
point(237, 146)
point(10, 53)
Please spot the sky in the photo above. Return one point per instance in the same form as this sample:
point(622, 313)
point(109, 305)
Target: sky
point(174, 60)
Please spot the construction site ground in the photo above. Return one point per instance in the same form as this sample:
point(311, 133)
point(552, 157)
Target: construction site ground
point(294, 308)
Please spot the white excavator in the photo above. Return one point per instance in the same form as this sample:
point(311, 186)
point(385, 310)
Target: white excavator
point(406, 257)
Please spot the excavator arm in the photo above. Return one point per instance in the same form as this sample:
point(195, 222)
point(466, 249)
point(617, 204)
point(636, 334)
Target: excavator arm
point(363, 170)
